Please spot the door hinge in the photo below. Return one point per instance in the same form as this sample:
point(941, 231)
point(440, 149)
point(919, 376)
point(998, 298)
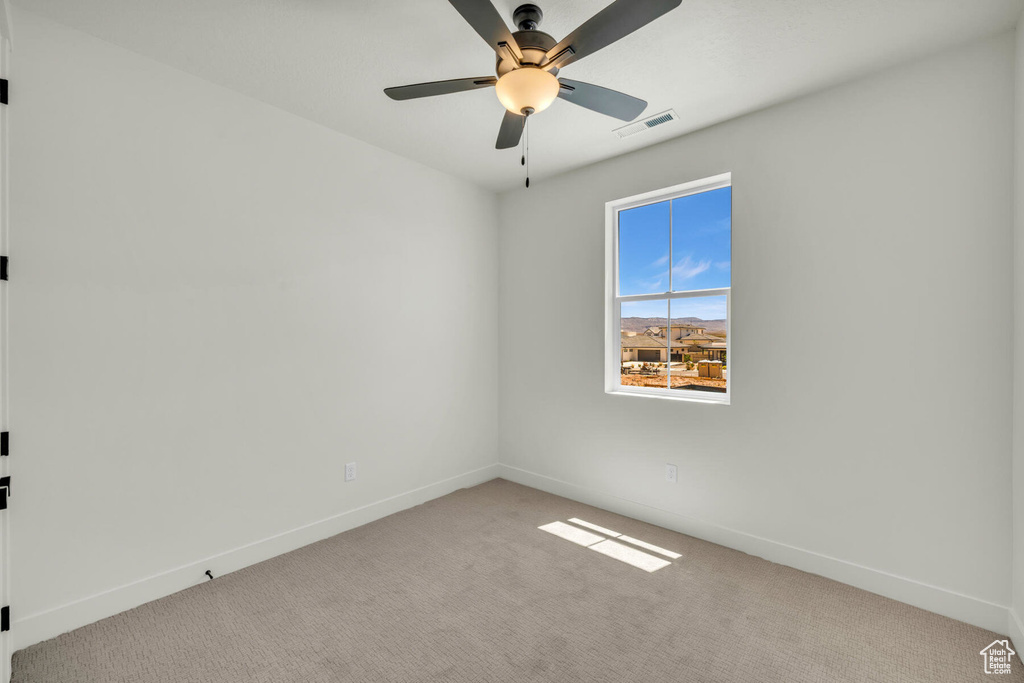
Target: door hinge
point(3, 267)
point(5, 618)
point(5, 491)
point(5, 443)
point(3, 91)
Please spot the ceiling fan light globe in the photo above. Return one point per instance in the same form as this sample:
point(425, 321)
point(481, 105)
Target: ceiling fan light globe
point(528, 87)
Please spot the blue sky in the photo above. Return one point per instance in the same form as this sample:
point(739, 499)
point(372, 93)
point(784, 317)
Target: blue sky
point(701, 244)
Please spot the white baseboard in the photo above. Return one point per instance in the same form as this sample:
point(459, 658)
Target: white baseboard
point(1015, 630)
point(948, 603)
point(35, 628)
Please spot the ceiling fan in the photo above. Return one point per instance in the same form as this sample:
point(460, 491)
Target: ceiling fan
point(529, 60)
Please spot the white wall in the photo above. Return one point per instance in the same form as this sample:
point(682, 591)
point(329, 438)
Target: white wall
point(210, 313)
point(885, 202)
point(1016, 626)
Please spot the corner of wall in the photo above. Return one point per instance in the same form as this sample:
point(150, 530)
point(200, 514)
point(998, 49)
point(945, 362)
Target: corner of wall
point(1015, 629)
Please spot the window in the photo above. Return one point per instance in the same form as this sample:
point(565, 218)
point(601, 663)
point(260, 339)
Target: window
point(668, 291)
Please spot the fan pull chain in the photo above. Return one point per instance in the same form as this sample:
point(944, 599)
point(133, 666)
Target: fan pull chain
point(526, 148)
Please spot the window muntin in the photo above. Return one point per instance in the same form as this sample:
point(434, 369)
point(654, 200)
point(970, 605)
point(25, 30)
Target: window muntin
point(669, 293)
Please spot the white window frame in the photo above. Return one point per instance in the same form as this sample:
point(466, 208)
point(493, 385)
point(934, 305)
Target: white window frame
point(613, 301)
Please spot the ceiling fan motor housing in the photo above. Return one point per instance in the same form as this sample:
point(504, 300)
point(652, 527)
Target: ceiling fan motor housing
point(534, 45)
point(527, 17)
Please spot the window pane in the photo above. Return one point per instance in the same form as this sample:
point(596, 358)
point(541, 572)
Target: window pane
point(643, 349)
point(697, 342)
point(702, 240)
point(643, 249)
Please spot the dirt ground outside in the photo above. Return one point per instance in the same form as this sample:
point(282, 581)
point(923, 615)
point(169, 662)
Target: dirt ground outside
point(681, 379)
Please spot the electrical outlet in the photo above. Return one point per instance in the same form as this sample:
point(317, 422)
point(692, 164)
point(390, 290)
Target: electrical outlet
point(671, 473)
point(350, 471)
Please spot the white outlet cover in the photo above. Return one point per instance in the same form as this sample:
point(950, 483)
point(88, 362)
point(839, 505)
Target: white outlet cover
point(350, 471)
point(671, 473)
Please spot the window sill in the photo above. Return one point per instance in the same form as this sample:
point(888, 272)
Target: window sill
point(672, 395)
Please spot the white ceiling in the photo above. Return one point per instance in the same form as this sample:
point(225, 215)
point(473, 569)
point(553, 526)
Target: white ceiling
point(710, 60)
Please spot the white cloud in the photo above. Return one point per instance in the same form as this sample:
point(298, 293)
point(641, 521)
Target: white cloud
point(688, 268)
point(660, 262)
point(651, 285)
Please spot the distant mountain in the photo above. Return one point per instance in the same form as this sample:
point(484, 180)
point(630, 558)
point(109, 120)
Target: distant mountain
point(640, 324)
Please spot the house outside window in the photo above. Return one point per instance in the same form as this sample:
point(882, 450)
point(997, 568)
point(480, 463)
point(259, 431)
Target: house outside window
point(668, 292)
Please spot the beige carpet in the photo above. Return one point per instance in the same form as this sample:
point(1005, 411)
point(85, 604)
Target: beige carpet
point(467, 588)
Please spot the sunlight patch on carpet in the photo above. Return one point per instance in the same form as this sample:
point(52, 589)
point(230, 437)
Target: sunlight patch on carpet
point(650, 546)
point(571, 533)
point(623, 553)
point(594, 527)
point(637, 558)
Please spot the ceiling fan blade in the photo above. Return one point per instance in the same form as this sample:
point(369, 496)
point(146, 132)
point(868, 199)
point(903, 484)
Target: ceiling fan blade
point(411, 92)
point(485, 20)
point(615, 21)
point(511, 131)
point(602, 100)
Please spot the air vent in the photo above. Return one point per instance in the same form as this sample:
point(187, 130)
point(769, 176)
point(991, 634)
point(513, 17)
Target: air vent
point(646, 124)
